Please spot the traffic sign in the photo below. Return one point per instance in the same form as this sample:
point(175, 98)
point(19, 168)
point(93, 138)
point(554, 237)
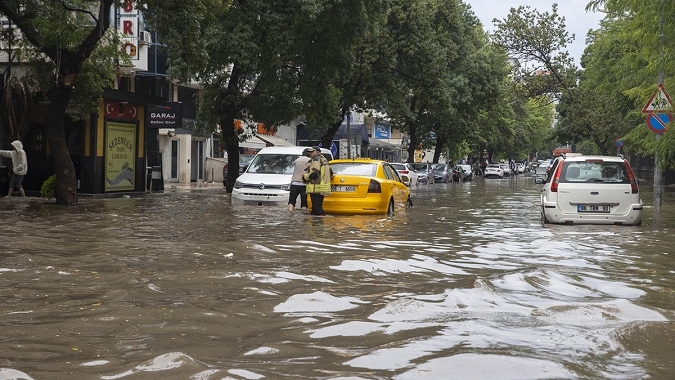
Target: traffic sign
point(658, 122)
point(659, 102)
point(618, 142)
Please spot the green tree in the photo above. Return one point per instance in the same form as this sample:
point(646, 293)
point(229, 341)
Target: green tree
point(537, 43)
point(262, 61)
point(647, 33)
point(72, 56)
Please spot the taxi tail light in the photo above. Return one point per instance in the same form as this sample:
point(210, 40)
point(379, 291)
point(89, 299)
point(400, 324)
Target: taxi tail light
point(556, 177)
point(631, 177)
point(374, 187)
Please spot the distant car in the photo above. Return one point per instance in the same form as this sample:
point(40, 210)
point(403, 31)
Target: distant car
point(244, 160)
point(507, 170)
point(442, 173)
point(520, 167)
point(424, 172)
point(463, 172)
point(407, 169)
point(366, 186)
point(494, 171)
point(590, 190)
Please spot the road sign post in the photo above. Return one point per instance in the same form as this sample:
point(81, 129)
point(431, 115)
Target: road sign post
point(659, 109)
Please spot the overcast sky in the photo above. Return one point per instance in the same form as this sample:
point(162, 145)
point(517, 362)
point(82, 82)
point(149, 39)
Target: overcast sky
point(577, 20)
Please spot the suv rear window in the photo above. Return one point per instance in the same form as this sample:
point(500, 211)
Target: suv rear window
point(594, 172)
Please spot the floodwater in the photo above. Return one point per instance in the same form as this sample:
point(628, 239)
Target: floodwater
point(466, 285)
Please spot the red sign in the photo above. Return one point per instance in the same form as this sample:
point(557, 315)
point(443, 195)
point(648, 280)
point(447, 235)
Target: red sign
point(659, 102)
point(658, 122)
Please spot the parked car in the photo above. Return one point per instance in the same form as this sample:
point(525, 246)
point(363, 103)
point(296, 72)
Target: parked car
point(244, 160)
point(442, 173)
point(366, 186)
point(494, 170)
point(424, 172)
point(407, 169)
point(520, 167)
point(267, 178)
point(590, 190)
point(507, 170)
point(463, 172)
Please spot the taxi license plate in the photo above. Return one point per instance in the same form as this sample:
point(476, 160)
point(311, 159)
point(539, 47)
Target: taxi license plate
point(346, 189)
point(593, 208)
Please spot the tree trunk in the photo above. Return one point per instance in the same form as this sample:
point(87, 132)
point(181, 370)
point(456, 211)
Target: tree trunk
point(231, 141)
point(66, 180)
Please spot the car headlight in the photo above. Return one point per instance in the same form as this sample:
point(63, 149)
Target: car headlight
point(238, 185)
point(286, 187)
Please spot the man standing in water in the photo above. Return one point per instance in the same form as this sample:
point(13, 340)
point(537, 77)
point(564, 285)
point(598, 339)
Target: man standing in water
point(19, 165)
point(317, 177)
point(297, 183)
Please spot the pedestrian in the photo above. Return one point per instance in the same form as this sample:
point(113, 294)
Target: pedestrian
point(19, 166)
point(317, 177)
point(297, 183)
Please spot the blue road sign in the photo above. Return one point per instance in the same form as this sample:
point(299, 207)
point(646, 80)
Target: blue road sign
point(658, 122)
point(333, 149)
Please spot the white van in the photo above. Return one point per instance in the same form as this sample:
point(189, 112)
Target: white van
point(267, 178)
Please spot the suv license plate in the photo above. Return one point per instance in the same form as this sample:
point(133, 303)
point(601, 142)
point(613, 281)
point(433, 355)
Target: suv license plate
point(593, 208)
point(346, 189)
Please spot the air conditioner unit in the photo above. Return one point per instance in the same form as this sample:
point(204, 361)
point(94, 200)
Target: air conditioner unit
point(145, 38)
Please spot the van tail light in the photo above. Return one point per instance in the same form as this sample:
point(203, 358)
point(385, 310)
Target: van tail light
point(556, 177)
point(405, 171)
point(631, 177)
point(374, 187)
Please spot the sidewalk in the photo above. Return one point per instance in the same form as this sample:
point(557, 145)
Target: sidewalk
point(168, 188)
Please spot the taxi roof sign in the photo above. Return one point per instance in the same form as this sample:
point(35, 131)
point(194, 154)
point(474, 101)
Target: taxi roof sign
point(659, 102)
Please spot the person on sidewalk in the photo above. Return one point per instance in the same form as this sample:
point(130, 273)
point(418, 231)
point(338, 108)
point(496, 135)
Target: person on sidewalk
point(297, 183)
point(19, 165)
point(317, 177)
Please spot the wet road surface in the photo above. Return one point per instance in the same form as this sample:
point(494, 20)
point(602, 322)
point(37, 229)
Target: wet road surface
point(467, 285)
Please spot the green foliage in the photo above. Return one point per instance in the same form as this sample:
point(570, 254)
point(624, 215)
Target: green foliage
point(537, 42)
point(625, 59)
point(48, 189)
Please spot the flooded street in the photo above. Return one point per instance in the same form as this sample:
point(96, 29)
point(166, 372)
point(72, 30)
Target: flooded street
point(467, 285)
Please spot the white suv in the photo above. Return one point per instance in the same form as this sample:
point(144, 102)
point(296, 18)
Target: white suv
point(590, 190)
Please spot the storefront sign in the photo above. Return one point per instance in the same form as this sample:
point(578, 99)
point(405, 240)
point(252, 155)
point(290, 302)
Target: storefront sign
point(120, 156)
point(168, 116)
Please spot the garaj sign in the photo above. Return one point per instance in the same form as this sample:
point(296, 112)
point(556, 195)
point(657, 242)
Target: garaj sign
point(168, 116)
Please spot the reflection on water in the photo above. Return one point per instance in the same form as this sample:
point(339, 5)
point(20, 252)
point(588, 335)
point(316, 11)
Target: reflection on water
point(468, 284)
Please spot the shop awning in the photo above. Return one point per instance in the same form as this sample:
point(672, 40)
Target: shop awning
point(253, 143)
point(274, 140)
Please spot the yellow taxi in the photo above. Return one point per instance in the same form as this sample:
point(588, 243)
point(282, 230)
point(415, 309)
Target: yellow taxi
point(366, 186)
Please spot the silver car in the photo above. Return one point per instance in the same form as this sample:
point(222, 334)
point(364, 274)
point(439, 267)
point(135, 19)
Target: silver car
point(425, 173)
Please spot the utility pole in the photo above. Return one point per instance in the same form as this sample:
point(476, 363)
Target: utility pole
point(349, 137)
point(658, 173)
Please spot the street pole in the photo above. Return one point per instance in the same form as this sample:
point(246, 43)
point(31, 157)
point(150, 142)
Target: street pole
point(658, 175)
point(349, 137)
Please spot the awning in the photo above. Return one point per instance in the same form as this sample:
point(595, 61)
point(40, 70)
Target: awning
point(253, 143)
point(377, 143)
point(354, 129)
point(274, 140)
